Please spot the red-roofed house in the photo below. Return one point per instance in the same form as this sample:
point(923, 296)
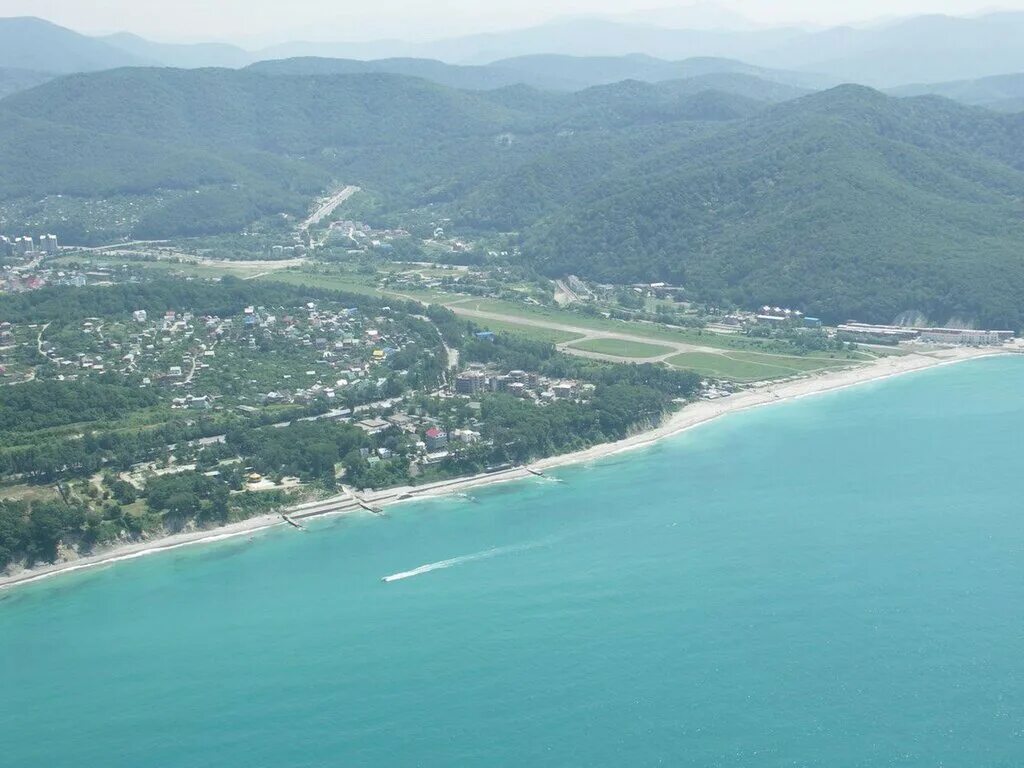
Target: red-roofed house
point(435, 439)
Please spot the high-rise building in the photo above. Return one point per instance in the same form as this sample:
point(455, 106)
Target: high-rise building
point(470, 382)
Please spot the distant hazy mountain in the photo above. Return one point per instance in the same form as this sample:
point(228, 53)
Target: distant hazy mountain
point(1004, 93)
point(575, 37)
point(575, 53)
point(739, 84)
point(185, 56)
point(35, 44)
point(700, 15)
point(920, 49)
point(15, 80)
point(916, 50)
point(474, 78)
point(570, 73)
point(585, 71)
point(634, 103)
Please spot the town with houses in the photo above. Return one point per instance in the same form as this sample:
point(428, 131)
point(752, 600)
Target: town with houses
point(339, 365)
point(159, 349)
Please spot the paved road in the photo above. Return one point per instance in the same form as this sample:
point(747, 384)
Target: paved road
point(328, 206)
point(39, 338)
point(113, 246)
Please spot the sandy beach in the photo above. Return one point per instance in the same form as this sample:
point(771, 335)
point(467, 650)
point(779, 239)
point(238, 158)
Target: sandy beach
point(686, 418)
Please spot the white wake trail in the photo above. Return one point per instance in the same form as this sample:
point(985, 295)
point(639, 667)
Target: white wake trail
point(441, 564)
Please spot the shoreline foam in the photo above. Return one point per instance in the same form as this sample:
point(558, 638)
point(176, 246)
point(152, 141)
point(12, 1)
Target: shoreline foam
point(687, 418)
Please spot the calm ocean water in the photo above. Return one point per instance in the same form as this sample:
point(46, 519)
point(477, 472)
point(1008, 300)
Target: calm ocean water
point(836, 581)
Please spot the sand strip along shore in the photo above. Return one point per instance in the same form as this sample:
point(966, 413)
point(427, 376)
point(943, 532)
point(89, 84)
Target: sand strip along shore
point(688, 417)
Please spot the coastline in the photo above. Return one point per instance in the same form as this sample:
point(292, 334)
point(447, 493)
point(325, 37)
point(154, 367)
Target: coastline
point(688, 417)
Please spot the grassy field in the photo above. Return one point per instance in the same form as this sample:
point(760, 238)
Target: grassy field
point(549, 335)
point(357, 283)
point(350, 284)
point(651, 331)
point(621, 348)
point(739, 366)
point(792, 362)
point(24, 492)
point(216, 269)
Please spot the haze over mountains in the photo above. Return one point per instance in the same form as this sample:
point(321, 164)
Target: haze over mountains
point(916, 50)
point(556, 72)
point(1004, 93)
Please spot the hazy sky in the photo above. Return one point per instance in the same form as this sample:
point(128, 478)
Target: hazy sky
point(260, 21)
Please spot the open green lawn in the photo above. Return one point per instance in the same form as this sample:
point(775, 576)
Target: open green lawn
point(740, 366)
point(621, 348)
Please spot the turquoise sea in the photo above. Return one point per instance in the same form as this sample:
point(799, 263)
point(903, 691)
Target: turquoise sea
point(834, 581)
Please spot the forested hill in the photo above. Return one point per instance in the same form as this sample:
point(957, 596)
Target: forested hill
point(479, 77)
point(287, 114)
point(14, 80)
point(1004, 93)
point(211, 150)
point(254, 145)
point(847, 202)
point(565, 73)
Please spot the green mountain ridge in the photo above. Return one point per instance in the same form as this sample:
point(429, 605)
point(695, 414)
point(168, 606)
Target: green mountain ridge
point(14, 80)
point(586, 71)
point(846, 203)
point(1003, 93)
point(468, 77)
point(246, 127)
point(566, 73)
